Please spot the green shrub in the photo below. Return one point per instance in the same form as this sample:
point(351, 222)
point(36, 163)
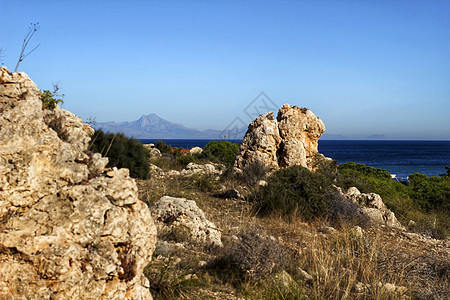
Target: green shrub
point(425, 200)
point(295, 191)
point(430, 192)
point(163, 147)
point(369, 179)
point(49, 101)
point(221, 152)
point(122, 152)
point(253, 173)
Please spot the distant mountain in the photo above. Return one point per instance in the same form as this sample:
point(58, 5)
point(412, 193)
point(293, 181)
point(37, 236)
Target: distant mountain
point(154, 127)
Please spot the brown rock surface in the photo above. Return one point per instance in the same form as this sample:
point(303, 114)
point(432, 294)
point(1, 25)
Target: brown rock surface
point(291, 139)
point(69, 228)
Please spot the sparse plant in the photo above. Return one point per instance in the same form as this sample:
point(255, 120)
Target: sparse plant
point(51, 99)
point(253, 173)
point(30, 33)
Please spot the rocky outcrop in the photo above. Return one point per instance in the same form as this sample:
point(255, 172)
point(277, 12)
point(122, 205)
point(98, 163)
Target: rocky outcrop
point(371, 205)
point(69, 227)
point(291, 139)
point(185, 221)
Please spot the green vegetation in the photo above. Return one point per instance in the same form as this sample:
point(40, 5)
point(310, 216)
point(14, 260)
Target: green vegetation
point(122, 152)
point(295, 191)
point(223, 152)
point(426, 200)
point(49, 100)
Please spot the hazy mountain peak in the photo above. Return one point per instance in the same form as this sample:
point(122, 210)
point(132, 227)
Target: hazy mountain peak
point(152, 126)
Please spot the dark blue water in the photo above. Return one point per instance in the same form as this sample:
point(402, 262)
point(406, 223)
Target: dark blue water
point(398, 157)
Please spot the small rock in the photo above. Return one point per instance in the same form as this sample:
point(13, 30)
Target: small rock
point(285, 280)
point(262, 183)
point(358, 232)
point(305, 276)
point(196, 150)
point(327, 229)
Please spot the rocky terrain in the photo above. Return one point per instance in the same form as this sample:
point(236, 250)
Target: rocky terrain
point(69, 227)
point(72, 228)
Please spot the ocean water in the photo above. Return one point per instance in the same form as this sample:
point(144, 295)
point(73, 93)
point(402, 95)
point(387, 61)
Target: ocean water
point(398, 157)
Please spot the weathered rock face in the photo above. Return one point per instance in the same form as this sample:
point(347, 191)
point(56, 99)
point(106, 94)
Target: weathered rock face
point(69, 228)
point(186, 221)
point(291, 139)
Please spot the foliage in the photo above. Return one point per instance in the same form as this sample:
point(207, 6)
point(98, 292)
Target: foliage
point(430, 192)
point(252, 256)
point(426, 200)
point(369, 179)
point(50, 100)
point(324, 166)
point(221, 151)
point(163, 147)
point(295, 191)
point(122, 152)
point(447, 172)
point(253, 173)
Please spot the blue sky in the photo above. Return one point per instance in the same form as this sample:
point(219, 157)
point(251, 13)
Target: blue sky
point(364, 67)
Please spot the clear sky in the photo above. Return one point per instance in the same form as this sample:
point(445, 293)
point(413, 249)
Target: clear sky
point(364, 67)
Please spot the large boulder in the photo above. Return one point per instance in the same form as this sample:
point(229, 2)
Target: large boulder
point(69, 227)
point(290, 139)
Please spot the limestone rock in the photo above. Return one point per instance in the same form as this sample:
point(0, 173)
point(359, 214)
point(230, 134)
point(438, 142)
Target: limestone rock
point(372, 205)
point(154, 152)
point(174, 214)
point(300, 131)
point(193, 168)
point(196, 150)
point(291, 139)
point(260, 143)
point(69, 228)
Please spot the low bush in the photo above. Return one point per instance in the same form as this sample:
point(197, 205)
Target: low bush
point(253, 173)
point(430, 192)
point(122, 152)
point(223, 152)
point(253, 256)
point(294, 191)
point(426, 200)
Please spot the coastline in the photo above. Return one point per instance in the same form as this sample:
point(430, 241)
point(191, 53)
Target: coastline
point(399, 157)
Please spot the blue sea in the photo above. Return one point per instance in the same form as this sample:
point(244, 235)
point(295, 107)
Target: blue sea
point(398, 157)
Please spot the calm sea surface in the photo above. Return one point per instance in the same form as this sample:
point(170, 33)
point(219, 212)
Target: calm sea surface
point(398, 157)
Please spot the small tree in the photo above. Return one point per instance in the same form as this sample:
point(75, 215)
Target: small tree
point(31, 31)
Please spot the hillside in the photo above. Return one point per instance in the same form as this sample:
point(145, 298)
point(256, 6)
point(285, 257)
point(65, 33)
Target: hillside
point(154, 127)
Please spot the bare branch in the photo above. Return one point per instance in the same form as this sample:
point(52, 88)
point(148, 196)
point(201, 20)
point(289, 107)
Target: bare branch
point(31, 31)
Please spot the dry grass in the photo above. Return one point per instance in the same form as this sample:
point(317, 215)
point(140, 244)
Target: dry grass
point(382, 263)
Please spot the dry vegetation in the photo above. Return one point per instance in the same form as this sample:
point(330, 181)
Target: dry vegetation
point(271, 257)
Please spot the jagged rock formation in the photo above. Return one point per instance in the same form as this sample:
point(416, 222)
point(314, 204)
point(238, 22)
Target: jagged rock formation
point(291, 139)
point(69, 228)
